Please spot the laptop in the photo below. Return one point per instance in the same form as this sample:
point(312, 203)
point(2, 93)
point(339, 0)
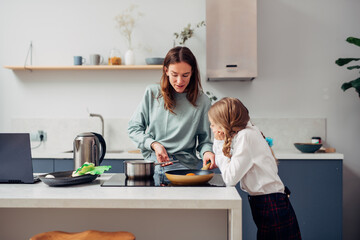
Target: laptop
point(15, 158)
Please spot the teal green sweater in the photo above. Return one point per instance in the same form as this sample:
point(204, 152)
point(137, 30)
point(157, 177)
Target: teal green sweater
point(178, 133)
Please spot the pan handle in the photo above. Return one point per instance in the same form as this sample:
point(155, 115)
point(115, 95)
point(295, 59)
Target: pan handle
point(206, 167)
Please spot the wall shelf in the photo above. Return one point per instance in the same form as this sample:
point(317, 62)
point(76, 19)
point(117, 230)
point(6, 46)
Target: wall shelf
point(86, 67)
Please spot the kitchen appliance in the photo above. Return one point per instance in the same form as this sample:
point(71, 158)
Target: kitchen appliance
point(158, 180)
point(231, 40)
point(89, 147)
point(135, 169)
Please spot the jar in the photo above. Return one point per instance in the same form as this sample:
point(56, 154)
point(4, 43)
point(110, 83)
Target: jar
point(114, 57)
point(316, 140)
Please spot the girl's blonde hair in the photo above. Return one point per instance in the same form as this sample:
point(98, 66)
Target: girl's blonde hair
point(232, 116)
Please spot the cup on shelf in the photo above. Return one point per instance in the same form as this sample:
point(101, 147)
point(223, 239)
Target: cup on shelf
point(79, 60)
point(96, 59)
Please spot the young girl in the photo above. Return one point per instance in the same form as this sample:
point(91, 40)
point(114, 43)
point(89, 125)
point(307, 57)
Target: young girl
point(242, 154)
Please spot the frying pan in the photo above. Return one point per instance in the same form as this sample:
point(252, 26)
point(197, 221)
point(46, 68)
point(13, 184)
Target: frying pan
point(64, 178)
point(178, 177)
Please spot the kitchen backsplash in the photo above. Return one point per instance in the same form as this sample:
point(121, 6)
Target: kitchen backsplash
point(62, 132)
point(287, 131)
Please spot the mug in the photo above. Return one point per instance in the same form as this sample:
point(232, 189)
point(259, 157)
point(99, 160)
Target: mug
point(79, 60)
point(96, 59)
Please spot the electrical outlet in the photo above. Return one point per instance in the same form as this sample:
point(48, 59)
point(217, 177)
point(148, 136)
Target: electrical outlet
point(36, 136)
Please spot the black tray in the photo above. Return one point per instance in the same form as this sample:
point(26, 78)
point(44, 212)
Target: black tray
point(65, 178)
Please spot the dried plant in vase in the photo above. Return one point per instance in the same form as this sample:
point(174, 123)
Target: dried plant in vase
point(126, 22)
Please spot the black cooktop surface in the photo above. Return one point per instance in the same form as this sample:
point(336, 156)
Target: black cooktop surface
point(158, 180)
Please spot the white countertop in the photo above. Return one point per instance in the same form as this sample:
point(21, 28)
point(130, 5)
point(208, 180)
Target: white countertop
point(314, 156)
point(52, 207)
point(92, 195)
point(284, 154)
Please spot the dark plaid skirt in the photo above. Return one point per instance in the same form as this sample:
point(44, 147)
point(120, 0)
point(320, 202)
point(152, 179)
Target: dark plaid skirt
point(274, 217)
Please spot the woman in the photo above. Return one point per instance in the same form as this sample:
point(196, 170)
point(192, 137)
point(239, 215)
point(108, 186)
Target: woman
point(172, 117)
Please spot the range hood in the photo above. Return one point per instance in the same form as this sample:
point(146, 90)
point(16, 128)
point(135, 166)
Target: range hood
point(231, 40)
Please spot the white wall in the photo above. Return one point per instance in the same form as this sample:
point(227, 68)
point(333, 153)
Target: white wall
point(298, 42)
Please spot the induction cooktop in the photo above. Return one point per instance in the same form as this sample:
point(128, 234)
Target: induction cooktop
point(158, 180)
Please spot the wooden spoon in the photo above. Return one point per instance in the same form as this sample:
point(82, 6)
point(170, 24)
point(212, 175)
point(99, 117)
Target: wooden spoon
point(206, 167)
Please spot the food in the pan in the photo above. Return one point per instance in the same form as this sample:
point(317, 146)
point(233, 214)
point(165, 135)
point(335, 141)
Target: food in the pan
point(190, 174)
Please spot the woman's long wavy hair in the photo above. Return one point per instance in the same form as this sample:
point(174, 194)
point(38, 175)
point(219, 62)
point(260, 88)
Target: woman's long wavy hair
point(232, 116)
point(177, 55)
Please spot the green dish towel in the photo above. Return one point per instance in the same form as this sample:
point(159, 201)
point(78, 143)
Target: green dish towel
point(89, 168)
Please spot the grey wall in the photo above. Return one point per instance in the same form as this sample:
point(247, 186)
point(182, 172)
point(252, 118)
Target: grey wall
point(298, 42)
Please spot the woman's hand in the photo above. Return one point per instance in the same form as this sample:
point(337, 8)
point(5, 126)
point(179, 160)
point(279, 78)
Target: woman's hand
point(209, 156)
point(161, 154)
point(219, 135)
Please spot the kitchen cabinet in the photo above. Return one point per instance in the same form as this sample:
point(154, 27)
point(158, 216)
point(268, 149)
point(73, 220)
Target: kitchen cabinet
point(231, 40)
point(63, 165)
point(117, 165)
point(316, 196)
point(316, 186)
point(56, 165)
point(43, 165)
point(86, 67)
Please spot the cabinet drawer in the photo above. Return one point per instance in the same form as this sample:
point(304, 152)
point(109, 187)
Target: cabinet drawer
point(43, 165)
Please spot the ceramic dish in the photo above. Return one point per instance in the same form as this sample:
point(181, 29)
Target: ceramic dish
point(65, 179)
point(154, 61)
point(308, 147)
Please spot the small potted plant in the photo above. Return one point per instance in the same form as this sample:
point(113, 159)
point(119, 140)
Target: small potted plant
point(186, 33)
point(211, 96)
point(343, 61)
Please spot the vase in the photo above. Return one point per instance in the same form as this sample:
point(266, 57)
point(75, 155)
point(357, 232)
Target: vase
point(129, 57)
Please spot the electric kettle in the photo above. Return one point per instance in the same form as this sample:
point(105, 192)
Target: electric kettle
point(89, 147)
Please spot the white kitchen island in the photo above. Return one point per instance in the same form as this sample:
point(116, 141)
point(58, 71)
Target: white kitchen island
point(148, 212)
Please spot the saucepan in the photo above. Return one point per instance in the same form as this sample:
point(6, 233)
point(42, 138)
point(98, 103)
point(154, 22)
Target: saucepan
point(189, 176)
point(138, 169)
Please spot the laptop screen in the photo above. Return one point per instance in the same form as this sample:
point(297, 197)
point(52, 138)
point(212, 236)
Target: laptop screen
point(15, 158)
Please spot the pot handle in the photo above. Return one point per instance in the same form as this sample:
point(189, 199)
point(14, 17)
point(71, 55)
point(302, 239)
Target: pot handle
point(103, 146)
